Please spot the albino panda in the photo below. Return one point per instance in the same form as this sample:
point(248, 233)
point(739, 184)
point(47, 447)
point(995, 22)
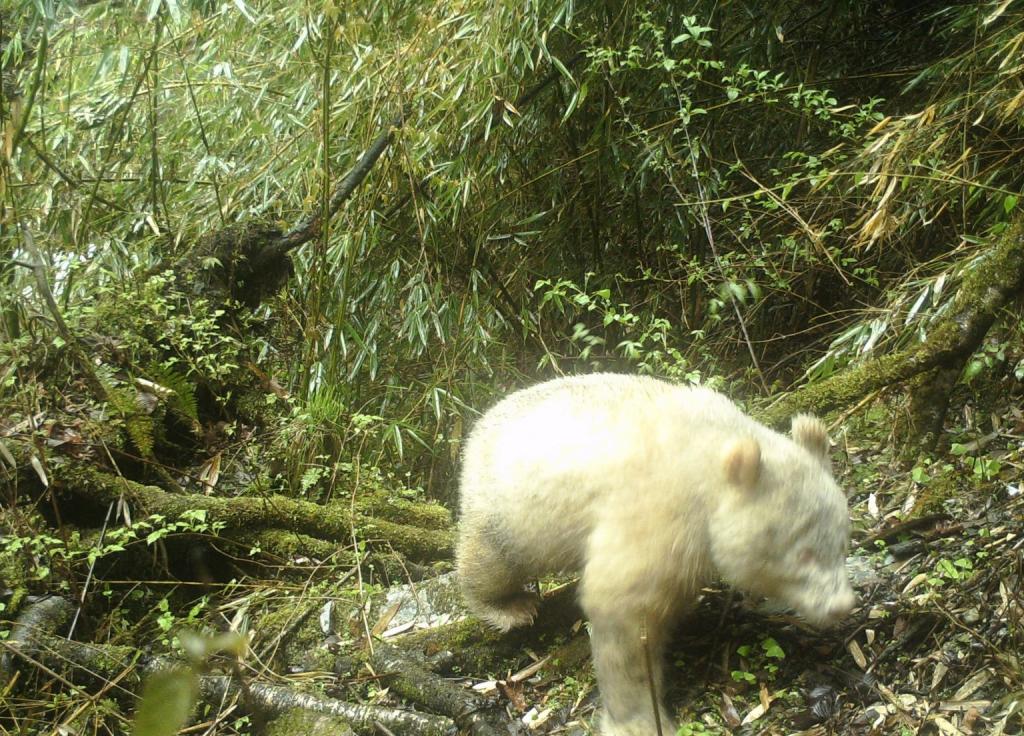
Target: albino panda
point(648, 489)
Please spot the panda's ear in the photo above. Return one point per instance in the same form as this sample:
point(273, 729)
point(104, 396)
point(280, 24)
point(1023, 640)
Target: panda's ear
point(809, 432)
point(742, 463)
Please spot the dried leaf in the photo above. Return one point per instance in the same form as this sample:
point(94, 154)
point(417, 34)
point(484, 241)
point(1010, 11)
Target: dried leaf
point(858, 656)
point(973, 684)
point(513, 692)
point(6, 455)
point(386, 618)
point(209, 473)
point(756, 712)
point(38, 467)
point(729, 713)
point(1000, 9)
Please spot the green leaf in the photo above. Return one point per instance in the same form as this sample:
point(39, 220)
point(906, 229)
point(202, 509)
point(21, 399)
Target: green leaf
point(155, 535)
point(167, 701)
point(396, 437)
point(772, 649)
point(973, 369)
point(1009, 202)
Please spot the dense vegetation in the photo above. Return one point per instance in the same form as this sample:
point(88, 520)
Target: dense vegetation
point(261, 266)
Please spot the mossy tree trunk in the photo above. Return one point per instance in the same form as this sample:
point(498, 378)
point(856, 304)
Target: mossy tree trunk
point(989, 283)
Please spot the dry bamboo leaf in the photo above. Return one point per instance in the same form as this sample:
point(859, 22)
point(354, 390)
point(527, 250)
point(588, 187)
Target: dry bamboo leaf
point(938, 673)
point(963, 706)
point(858, 656)
point(386, 617)
point(879, 125)
point(879, 143)
point(40, 471)
point(1011, 106)
point(1000, 9)
point(209, 473)
point(7, 456)
point(945, 726)
point(729, 713)
point(973, 684)
point(915, 581)
point(756, 712)
point(535, 719)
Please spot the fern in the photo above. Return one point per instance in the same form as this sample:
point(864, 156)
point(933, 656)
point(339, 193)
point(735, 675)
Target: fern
point(137, 424)
point(140, 430)
point(182, 400)
point(125, 405)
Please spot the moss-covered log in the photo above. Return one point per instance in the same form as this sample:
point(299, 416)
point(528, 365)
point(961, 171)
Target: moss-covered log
point(989, 283)
point(248, 514)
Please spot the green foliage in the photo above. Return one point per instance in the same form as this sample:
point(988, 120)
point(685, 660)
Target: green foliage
point(167, 701)
point(983, 467)
point(169, 696)
point(691, 729)
point(128, 414)
point(40, 553)
point(642, 340)
point(181, 398)
point(573, 186)
point(758, 658)
point(953, 571)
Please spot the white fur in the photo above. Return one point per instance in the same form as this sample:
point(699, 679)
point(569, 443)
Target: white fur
point(648, 489)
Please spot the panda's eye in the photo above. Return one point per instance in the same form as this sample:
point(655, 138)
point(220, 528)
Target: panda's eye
point(805, 556)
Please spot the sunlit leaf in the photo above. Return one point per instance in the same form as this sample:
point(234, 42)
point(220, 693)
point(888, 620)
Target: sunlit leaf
point(167, 701)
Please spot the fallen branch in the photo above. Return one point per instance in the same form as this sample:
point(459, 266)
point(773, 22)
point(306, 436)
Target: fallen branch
point(277, 699)
point(43, 617)
point(417, 684)
point(311, 225)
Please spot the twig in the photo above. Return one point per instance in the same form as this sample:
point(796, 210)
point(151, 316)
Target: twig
point(706, 222)
point(645, 644)
point(39, 272)
point(92, 566)
point(310, 227)
point(811, 233)
point(33, 87)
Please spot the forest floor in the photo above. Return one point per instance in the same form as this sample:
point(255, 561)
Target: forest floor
point(370, 639)
point(934, 645)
